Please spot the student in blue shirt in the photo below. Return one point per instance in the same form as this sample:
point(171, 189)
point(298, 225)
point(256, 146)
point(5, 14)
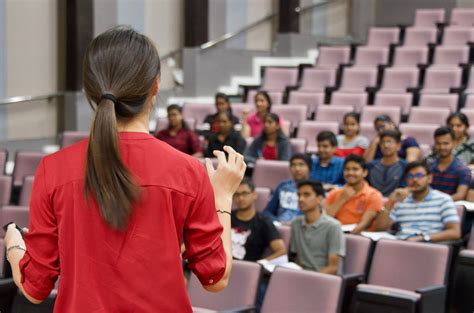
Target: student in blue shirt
point(327, 168)
point(283, 205)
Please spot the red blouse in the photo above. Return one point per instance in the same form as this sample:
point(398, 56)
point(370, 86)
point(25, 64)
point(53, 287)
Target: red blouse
point(135, 270)
point(270, 152)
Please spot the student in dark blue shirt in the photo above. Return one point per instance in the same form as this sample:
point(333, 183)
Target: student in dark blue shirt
point(327, 168)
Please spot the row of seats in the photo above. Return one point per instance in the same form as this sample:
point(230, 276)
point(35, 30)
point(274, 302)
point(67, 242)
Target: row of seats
point(368, 283)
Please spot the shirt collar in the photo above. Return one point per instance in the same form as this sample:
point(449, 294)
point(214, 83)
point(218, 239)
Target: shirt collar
point(320, 220)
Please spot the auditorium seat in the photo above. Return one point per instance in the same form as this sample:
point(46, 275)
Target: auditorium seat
point(441, 80)
point(310, 99)
point(198, 111)
point(309, 292)
point(386, 100)
point(263, 197)
point(12, 213)
point(410, 56)
point(417, 285)
point(463, 282)
point(383, 36)
point(367, 130)
point(423, 133)
point(371, 56)
point(458, 36)
point(397, 80)
point(356, 100)
point(3, 160)
point(442, 101)
point(469, 102)
point(308, 130)
point(469, 113)
point(429, 17)
point(278, 78)
point(470, 83)
point(333, 56)
point(269, 173)
point(285, 234)
point(26, 189)
point(317, 79)
point(462, 17)
point(238, 108)
point(427, 115)
point(5, 190)
point(68, 138)
point(298, 145)
point(275, 96)
point(369, 113)
point(358, 79)
point(420, 36)
point(451, 56)
point(26, 163)
point(241, 292)
point(332, 113)
point(293, 113)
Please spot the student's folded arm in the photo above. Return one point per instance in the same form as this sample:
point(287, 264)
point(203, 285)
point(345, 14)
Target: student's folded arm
point(278, 249)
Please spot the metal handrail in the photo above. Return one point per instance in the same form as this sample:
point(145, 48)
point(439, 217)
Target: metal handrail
point(30, 98)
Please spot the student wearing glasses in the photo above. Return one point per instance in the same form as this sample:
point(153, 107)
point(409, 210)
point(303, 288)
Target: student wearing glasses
point(424, 214)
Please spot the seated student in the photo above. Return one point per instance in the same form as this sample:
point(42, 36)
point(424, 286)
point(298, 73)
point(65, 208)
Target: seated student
point(317, 241)
point(226, 136)
point(424, 214)
point(271, 144)
point(222, 105)
point(327, 168)
point(357, 202)
point(409, 150)
point(253, 123)
point(463, 144)
point(178, 135)
point(351, 142)
point(386, 174)
point(450, 175)
point(283, 205)
point(252, 232)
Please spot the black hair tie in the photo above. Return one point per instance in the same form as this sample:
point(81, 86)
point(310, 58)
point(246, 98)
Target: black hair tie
point(110, 97)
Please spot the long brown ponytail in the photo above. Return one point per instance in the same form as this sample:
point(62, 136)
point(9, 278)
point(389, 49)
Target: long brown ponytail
point(120, 69)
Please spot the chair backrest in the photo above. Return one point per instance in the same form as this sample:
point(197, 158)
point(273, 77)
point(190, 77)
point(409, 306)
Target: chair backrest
point(399, 79)
point(277, 78)
point(358, 79)
point(332, 113)
point(263, 197)
point(3, 160)
point(428, 115)
point(371, 56)
point(12, 213)
point(451, 56)
point(26, 163)
point(68, 138)
point(308, 130)
point(429, 17)
point(311, 99)
point(367, 130)
point(5, 190)
point(292, 113)
point(458, 36)
point(240, 292)
point(442, 79)
point(317, 79)
point(442, 101)
point(302, 291)
point(298, 145)
point(332, 57)
point(358, 250)
point(462, 17)
point(238, 108)
point(410, 56)
point(198, 111)
point(387, 100)
point(285, 233)
point(275, 96)
point(357, 100)
point(422, 132)
point(421, 264)
point(383, 36)
point(369, 113)
point(26, 189)
point(420, 37)
point(269, 173)
point(469, 104)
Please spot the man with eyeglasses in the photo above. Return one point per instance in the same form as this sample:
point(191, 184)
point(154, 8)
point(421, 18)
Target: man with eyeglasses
point(386, 174)
point(252, 232)
point(423, 214)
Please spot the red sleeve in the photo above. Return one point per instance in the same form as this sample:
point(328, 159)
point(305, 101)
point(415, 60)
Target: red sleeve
point(202, 236)
point(39, 266)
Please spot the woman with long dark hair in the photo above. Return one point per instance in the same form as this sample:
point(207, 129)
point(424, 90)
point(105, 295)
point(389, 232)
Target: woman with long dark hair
point(253, 123)
point(109, 213)
point(222, 104)
point(178, 134)
point(272, 144)
point(226, 136)
point(463, 144)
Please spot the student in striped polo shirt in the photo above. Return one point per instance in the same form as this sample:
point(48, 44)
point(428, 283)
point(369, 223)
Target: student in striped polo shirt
point(424, 214)
point(450, 175)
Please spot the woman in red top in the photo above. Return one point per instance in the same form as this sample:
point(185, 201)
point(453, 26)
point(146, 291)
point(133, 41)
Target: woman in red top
point(109, 213)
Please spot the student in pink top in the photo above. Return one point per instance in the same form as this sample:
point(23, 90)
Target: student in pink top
point(253, 123)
